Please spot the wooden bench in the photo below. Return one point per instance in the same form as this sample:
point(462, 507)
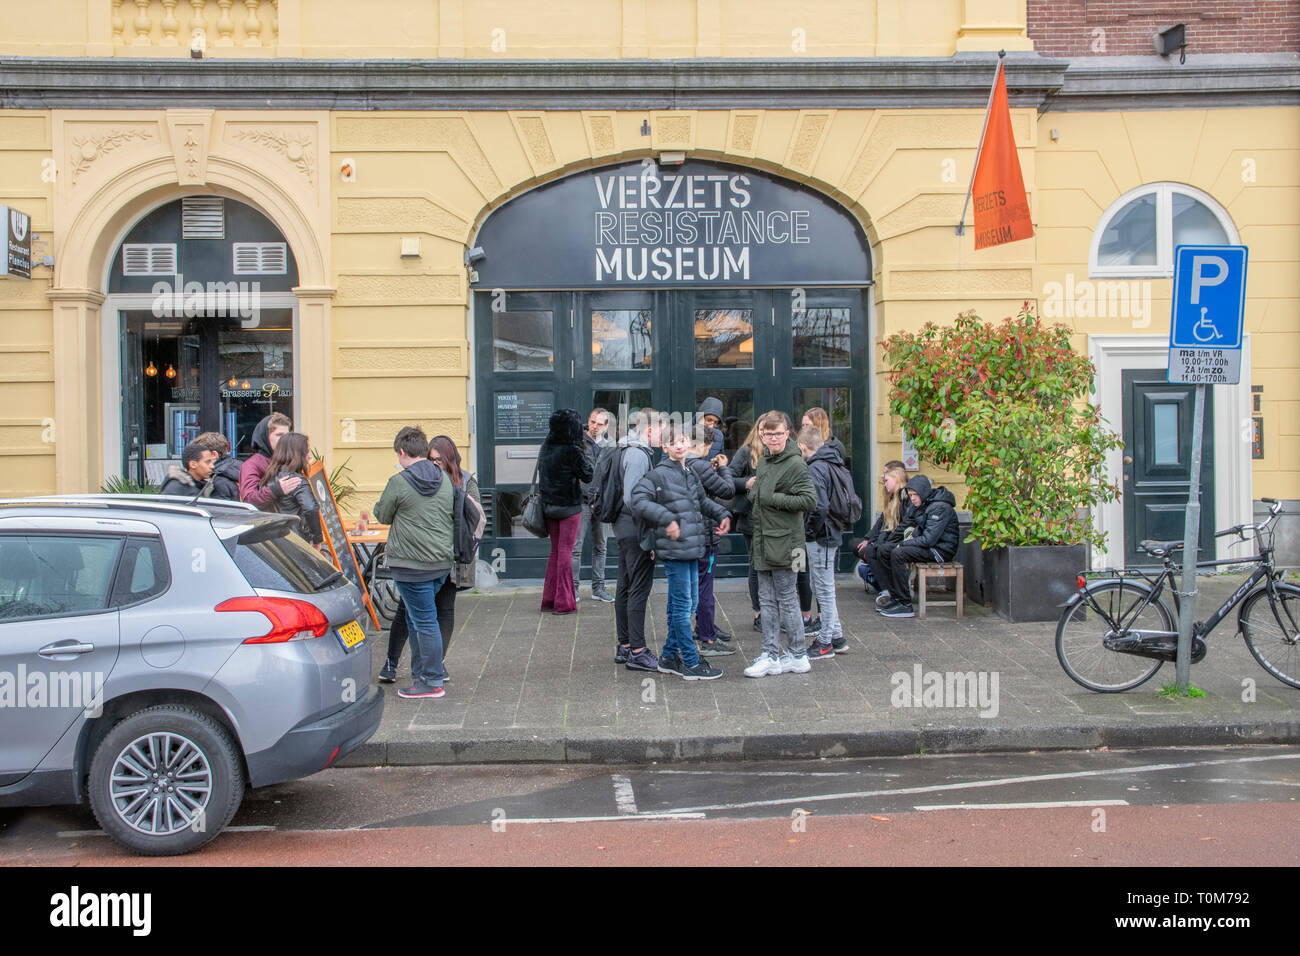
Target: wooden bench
point(923, 572)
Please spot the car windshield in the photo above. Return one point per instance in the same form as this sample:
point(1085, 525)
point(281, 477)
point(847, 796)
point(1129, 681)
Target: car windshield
point(271, 555)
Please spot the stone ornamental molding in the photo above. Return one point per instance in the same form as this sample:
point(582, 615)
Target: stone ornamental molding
point(85, 150)
point(960, 81)
point(297, 147)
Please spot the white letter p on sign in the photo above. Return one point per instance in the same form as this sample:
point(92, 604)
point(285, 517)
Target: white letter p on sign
point(1199, 280)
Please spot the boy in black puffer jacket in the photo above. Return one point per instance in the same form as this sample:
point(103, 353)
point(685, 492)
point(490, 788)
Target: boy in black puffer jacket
point(672, 505)
point(932, 536)
point(719, 484)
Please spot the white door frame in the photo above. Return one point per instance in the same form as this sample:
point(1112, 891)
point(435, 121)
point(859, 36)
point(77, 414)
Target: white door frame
point(111, 331)
point(1111, 355)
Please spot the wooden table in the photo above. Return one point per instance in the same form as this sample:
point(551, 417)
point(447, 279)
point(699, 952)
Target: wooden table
point(369, 546)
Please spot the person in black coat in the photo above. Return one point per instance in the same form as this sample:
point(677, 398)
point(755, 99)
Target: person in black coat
point(887, 533)
point(932, 535)
point(674, 510)
point(291, 456)
point(190, 480)
point(720, 485)
point(225, 473)
point(562, 467)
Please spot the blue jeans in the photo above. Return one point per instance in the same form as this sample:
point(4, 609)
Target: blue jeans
point(683, 598)
point(426, 638)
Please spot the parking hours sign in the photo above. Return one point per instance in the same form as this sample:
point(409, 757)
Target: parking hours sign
point(1208, 309)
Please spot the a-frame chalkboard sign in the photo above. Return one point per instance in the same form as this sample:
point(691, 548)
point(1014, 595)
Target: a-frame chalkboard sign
point(337, 538)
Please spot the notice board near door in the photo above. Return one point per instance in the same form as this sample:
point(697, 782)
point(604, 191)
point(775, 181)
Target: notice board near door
point(335, 535)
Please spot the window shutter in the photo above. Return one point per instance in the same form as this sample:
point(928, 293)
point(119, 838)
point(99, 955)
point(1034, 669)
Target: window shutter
point(149, 259)
point(203, 217)
point(261, 258)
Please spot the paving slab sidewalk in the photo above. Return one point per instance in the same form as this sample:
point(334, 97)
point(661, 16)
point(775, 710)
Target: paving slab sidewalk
point(533, 687)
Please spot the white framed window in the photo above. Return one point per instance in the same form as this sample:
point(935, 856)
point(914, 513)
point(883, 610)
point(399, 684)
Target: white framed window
point(261, 258)
point(1137, 235)
point(148, 258)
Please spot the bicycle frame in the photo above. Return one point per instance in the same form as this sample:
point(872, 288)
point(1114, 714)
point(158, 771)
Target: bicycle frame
point(1263, 573)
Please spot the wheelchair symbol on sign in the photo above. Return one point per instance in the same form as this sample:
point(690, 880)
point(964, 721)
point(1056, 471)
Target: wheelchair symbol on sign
point(1204, 325)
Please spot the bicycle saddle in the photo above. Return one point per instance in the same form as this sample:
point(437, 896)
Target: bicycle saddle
point(1158, 549)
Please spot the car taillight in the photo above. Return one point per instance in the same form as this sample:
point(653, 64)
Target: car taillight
point(290, 620)
point(1081, 582)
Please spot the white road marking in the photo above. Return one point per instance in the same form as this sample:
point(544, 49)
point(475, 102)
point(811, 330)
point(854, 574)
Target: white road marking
point(777, 773)
point(1049, 805)
point(624, 798)
point(618, 819)
point(999, 782)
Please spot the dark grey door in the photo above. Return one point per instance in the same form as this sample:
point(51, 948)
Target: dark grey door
point(1157, 462)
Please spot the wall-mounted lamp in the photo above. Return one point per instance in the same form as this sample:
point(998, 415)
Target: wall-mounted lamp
point(672, 159)
point(645, 127)
point(474, 255)
point(1175, 38)
point(410, 247)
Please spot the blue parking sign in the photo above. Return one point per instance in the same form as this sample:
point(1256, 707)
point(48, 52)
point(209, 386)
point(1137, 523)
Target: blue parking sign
point(1209, 306)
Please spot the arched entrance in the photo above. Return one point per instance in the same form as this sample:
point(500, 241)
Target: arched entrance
point(102, 194)
point(639, 285)
point(201, 290)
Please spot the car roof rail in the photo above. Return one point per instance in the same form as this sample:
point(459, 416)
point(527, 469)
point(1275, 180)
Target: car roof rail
point(166, 503)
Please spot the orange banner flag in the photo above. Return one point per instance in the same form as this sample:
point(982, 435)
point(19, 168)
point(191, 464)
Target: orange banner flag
point(1001, 209)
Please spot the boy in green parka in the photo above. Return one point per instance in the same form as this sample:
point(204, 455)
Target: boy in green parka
point(780, 493)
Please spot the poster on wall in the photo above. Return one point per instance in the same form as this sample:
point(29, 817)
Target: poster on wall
point(911, 460)
point(17, 229)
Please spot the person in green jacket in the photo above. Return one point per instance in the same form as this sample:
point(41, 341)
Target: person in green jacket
point(780, 493)
point(417, 503)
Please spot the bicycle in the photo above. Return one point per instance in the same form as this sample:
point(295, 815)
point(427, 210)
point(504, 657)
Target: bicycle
point(1141, 632)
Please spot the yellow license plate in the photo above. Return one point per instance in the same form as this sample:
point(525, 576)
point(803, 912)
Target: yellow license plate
point(350, 635)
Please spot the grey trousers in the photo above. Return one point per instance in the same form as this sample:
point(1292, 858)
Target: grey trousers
point(821, 570)
point(600, 532)
point(778, 598)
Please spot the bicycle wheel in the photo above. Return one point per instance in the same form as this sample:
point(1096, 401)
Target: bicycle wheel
point(1080, 632)
point(1276, 647)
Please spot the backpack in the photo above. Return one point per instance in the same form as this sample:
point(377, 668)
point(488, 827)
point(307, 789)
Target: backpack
point(607, 485)
point(844, 507)
point(466, 515)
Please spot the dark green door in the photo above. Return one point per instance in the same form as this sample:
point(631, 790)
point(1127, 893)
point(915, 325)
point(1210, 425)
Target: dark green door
point(1157, 463)
point(752, 349)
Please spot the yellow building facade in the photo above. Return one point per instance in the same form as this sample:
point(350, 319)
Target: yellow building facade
point(379, 143)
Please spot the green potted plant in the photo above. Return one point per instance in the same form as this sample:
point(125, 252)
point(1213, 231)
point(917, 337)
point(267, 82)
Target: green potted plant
point(1006, 405)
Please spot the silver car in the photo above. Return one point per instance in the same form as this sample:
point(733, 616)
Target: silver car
point(158, 655)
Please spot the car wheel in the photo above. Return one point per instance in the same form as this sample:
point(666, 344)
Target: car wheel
point(165, 780)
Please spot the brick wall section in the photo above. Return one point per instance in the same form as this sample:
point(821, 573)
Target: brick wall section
point(1070, 27)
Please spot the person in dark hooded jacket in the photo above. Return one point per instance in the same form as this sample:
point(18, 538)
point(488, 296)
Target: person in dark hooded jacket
point(931, 536)
point(674, 509)
point(225, 473)
point(265, 437)
point(190, 480)
point(562, 467)
point(720, 485)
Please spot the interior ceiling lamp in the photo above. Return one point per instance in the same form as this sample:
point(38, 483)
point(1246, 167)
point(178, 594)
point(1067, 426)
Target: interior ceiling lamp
point(245, 384)
point(151, 370)
point(171, 372)
point(1174, 38)
point(233, 381)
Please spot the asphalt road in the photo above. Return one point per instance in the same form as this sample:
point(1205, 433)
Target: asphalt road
point(1207, 806)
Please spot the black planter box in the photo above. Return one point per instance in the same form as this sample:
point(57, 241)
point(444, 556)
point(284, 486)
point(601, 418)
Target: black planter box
point(1030, 583)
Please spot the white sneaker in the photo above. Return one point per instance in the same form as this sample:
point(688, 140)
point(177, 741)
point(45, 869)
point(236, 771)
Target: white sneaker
point(883, 598)
point(765, 666)
point(795, 665)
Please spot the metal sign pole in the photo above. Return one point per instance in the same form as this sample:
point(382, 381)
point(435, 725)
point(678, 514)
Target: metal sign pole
point(1191, 534)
